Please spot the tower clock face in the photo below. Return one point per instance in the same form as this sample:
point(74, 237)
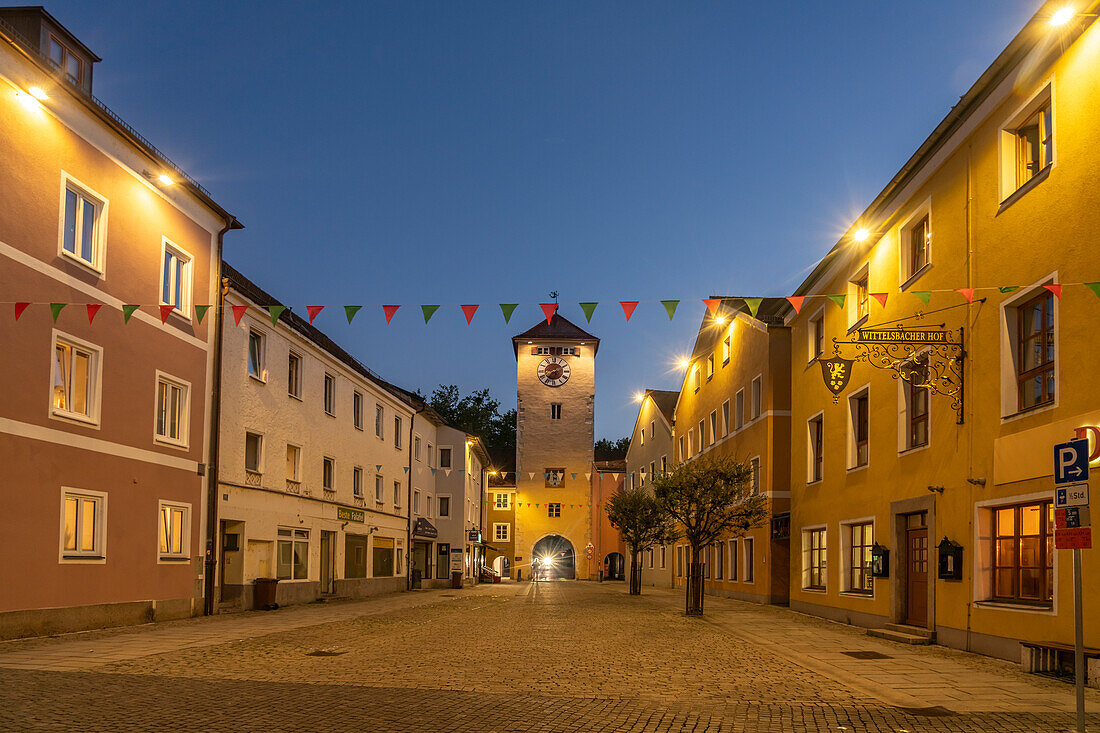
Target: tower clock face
point(554, 371)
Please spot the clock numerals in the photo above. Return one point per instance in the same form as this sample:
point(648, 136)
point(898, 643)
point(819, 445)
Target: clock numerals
point(553, 371)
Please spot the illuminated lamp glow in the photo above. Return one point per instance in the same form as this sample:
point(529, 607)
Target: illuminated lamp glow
point(638, 396)
point(38, 93)
point(165, 179)
point(1063, 16)
point(684, 363)
point(861, 235)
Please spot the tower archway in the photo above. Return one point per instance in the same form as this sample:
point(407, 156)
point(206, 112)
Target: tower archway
point(556, 558)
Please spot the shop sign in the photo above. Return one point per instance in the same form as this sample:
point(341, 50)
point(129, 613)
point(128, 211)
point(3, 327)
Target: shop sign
point(836, 372)
point(424, 528)
point(346, 514)
point(473, 535)
point(902, 336)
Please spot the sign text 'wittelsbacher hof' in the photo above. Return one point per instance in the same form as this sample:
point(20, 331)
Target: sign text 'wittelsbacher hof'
point(902, 336)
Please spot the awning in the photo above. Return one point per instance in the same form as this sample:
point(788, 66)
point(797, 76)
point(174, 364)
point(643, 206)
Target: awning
point(424, 528)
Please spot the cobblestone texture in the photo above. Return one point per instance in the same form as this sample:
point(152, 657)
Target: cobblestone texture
point(509, 659)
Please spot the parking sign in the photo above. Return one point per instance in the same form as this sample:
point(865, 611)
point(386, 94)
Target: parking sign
point(1071, 462)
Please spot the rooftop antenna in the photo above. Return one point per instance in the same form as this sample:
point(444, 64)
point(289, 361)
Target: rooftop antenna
point(554, 295)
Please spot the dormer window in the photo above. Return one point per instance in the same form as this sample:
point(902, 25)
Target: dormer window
point(65, 60)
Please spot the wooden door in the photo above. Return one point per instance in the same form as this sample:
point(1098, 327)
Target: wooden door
point(327, 557)
point(917, 577)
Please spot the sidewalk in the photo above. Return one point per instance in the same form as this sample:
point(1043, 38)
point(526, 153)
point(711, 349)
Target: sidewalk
point(87, 650)
point(908, 677)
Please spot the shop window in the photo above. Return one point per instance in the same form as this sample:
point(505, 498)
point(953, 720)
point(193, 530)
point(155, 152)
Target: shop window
point(750, 559)
point(1023, 553)
point(860, 539)
point(293, 554)
point(734, 547)
point(814, 562)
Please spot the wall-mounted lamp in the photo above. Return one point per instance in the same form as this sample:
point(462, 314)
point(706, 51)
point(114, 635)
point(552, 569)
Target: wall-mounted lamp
point(976, 481)
point(936, 489)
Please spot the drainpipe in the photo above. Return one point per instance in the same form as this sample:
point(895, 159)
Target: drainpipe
point(409, 507)
point(211, 557)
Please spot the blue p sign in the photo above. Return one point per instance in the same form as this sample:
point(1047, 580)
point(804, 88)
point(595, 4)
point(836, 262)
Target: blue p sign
point(1071, 462)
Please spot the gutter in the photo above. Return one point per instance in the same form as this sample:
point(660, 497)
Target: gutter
point(211, 556)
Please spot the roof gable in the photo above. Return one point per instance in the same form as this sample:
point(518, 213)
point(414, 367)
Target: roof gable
point(556, 328)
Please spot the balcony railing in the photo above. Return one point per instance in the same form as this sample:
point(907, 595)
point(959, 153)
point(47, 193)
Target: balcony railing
point(293, 487)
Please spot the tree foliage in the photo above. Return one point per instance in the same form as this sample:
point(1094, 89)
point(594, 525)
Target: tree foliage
point(476, 413)
point(641, 523)
point(710, 499)
point(611, 450)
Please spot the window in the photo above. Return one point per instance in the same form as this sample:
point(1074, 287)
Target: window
point(750, 559)
point(664, 465)
point(679, 561)
point(713, 426)
point(652, 467)
point(175, 281)
point(66, 61)
point(662, 552)
point(444, 457)
point(726, 342)
point(556, 350)
point(739, 409)
point(702, 435)
point(256, 344)
point(696, 377)
point(1023, 553)
point(378, 491)
point(733, 560)
point(859, 298)
point(292, 562)
point(1035, 351)
point(397, 433)
point(174, 531)
point(859, 557)
point(172, 410)
point(357, 482)
point(816, 468)
point(501, 532)
point(330, 394)
point(416, 447)
point(294, 375)
point(444, 506)
point(328, 473)
point(253, 452)
point(431, 454)
point(501, 501)
point(416, 501)
point(860, 429)
point(652, 429)
point(293, 462)
point(726, 418)
point(641, 436)
point(915, 408)
point(757, 396)
point(396, 494)
point(683, 453)
point(357, 410)
point(719, 560)
point(84, 515)
point(650, 553)
point(379, 416)
point(817, 336)
point(554, 478)
point(710, 367)
point(754, 484)
point(555, 411)
point(915, 239)
point(75, 379)
point(814, 561)
point(553, 510)
point(83, 228)
point(1034, 139)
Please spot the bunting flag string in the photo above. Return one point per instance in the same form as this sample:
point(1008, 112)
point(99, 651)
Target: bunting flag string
point(1094, 287)
point(670, 307)
point(838, 300)
point(275, 311)
point(20, 307)
point(428, 311)
point(313, 311)
point(200, 312)
point(507, 309)
point(92, 309)
point(389, 310)
point(753, 304)
point(712, 304)
point(351, 310)
point(238, 313)
point(55, 308)
point(628, 308)
point(589, 309)
point(881, 298)
point(1056, 289)
point(549, 309)
point(967, 293)
point(924, 295)
point(796, 302)
point(165, 311)
point(128, 310)
point(469, 311)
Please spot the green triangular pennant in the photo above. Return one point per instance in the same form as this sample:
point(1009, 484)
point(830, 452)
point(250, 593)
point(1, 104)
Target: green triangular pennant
point(924, 295)
point(670, 307)
point(351, 310)
point(128, 310)
point(753, 304)
point(838, 299)
point(275, 311)
point(507, 309)
point(200, 312)
point(1009, 288)
point(1094, 287)
point(589, 309)
point(429, 311)
point(55, 308)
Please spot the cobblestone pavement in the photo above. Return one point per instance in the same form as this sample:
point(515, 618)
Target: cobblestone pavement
point(508, 658)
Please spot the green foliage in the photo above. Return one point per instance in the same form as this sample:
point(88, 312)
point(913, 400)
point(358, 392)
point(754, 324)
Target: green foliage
point(611, 450)
point(639, 518)
point(477, 413)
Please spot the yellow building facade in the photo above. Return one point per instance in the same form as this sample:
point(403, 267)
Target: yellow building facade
point(555, 419)
point(938, 447)
point(735, 402)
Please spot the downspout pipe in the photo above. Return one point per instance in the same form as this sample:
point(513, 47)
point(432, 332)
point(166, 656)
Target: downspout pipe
point(211, 556)
point(409, 506)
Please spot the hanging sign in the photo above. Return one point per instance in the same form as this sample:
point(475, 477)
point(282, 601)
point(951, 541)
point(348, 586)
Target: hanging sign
point(902, 335)
point(836, 372)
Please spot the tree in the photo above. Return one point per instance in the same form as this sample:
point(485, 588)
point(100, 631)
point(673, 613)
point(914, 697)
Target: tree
point(477, 413)
point(611, 450)
point(709, 499)
point(641, 523)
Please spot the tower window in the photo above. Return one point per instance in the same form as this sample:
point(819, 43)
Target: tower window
point(555, 411)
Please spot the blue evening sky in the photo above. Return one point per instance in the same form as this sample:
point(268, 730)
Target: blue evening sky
point(472, 152)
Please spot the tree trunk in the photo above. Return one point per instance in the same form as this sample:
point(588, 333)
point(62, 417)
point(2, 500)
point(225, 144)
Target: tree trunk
point(635, 574)
point(694, 602)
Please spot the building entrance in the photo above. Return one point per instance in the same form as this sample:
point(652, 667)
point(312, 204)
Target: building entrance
point(916, 570)
point(555, 558)
point(614, 566)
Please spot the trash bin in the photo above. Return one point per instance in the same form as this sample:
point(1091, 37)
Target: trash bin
point(417, 574)
point(456, 579)
point(263, 594)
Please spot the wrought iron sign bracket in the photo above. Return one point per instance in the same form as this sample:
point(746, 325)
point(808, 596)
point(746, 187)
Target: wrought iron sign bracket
point(931, 359)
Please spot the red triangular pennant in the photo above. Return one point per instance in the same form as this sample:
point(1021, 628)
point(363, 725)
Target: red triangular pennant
point(93, 308)
point(238, 313)
point(549, 309)
point(1056, 289)
point(313, 310)
point(967, 293)
point(389, 310)
point(628, 307)
point(796, 301)
point(712, 304)
point(469, 311)
point(19, 308)
point(881, 298)
point(165, 311)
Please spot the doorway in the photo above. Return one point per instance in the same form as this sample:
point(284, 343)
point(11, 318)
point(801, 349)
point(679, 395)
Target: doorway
point(422, 557)
point(916, 570)
point(555, 558)
point(328, 557)
point(614, 566)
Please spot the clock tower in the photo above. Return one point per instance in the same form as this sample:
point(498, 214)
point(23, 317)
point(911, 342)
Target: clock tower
point(555, 417)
